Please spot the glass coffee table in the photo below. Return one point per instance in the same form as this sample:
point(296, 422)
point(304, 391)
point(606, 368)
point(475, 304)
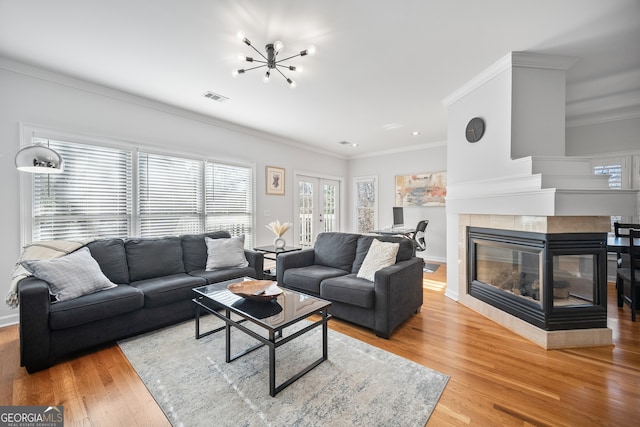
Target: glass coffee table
point(273, 316)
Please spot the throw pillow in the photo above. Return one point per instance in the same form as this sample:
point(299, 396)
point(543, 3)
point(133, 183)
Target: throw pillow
point(225, 253)
point(70, 276)
point(380, 255)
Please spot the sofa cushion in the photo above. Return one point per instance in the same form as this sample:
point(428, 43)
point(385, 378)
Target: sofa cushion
point(112, 258)
point(337, 250)
point(70, 276)
point(154, 257)
point(380, 255)
point(308, 278)
point(222, 275)
point(349, 289)
point(225, 253)
point(406, 250)
point(194, 249)
point(165, 290)
point(100, 305)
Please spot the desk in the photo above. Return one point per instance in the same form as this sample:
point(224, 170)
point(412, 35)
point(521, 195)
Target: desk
point(395, 231)
point(620, 244)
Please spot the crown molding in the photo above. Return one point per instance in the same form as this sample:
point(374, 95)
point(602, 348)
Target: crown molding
point(512, 59)
point(105, 91)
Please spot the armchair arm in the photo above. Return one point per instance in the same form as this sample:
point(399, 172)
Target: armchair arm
point(35, 303)
point(303, 258)
point(398, 294)
point(256, 260)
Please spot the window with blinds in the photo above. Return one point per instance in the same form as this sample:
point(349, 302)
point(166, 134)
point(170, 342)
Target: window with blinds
point(614, 170)
point(94, 197)
point(169, 195)
point(229, 199)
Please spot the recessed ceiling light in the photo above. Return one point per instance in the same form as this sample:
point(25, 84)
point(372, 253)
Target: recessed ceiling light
point(415, 133)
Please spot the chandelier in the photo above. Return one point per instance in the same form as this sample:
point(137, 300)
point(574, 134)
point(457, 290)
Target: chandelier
point(270, 61)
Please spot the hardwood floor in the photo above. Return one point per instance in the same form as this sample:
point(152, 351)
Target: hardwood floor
point(497, 377)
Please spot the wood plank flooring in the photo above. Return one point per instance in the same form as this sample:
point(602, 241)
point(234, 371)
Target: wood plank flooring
point(497, 377)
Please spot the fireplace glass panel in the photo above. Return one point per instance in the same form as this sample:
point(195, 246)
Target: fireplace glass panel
point(573, 280)
point(511, 269)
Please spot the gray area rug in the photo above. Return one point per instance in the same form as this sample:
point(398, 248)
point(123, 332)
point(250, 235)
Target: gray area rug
point(359, 384)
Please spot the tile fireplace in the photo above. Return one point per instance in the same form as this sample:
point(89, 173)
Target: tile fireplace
point(554, 281)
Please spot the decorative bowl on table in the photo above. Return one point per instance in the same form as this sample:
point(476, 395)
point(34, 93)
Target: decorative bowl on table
point(259, 290)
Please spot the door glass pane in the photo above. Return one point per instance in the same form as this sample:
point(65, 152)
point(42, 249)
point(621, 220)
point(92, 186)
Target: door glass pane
point(306, 213)
point(329, 213)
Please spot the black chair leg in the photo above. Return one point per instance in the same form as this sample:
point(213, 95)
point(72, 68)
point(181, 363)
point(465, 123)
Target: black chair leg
point(619, 291)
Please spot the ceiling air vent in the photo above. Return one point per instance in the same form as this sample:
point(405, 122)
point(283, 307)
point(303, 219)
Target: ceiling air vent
point(215, 96)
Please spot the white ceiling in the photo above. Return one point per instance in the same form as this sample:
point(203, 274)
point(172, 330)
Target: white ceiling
point(381, 70)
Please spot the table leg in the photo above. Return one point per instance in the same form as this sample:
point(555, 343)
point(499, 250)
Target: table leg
point(325, 349)
point(227, 330)
point(272, 365)
point(197, 321)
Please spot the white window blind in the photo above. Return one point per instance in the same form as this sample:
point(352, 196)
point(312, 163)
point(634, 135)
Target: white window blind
point(111, 192)
point(614, 170)
point(229, 199)
point(169, 195)
point(90, 199)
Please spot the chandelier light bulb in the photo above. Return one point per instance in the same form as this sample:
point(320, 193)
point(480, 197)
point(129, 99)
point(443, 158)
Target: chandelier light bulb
point(292, 84)
point(234, 73)
point(311, 50)
point(240, 35)
point(266, 77)
point(298, 68)
point(278, 46)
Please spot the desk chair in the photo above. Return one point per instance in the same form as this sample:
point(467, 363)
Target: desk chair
point(630, 276)
point(622, 230)
point(418, 235)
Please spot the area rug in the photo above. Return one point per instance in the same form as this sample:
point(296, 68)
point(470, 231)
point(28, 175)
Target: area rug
point(430, 267)
point(359, 385)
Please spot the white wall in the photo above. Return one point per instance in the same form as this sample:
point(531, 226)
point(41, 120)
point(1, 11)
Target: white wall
point(386, 166)
point(604, 137)
point(32, 96)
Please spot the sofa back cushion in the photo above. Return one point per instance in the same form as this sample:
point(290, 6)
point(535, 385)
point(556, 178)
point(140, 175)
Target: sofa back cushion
point(337, 250)
point(154, 257)
point(112, 258)
point(194, 249)
point(405, 251)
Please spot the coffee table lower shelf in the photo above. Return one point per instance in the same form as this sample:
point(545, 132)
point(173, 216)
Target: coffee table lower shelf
point(275, 340)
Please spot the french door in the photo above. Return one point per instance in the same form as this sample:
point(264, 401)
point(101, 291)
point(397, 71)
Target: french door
point(317, 208)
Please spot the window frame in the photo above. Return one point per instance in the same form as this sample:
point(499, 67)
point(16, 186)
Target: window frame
point(356, 181)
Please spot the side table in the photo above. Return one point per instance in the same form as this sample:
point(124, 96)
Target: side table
point(272, 250)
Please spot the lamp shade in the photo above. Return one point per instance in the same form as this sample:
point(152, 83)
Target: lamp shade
point(39, 159)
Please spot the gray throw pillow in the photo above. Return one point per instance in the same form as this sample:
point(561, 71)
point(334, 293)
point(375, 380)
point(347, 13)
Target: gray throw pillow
point(380, 255)
point(70, 276)
point(225, 253)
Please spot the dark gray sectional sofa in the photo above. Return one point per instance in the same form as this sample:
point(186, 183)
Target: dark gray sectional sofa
point(329, 271)
point(155, 278)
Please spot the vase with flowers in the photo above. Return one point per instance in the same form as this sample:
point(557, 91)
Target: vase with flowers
point(279, 230)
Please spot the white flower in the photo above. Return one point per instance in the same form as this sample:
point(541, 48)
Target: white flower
point(279, 229)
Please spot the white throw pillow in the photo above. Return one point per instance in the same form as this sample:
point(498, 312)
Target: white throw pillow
point(379, 256)
point(225, 253)
point(70, 276)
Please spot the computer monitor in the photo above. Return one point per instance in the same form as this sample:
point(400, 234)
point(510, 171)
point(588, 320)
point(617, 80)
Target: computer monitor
point(398, 217)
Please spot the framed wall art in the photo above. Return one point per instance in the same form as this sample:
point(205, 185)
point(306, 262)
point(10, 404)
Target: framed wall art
point(422, 189)
point(275, 180)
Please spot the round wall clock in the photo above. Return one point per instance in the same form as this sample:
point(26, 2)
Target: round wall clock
point(475, 129)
